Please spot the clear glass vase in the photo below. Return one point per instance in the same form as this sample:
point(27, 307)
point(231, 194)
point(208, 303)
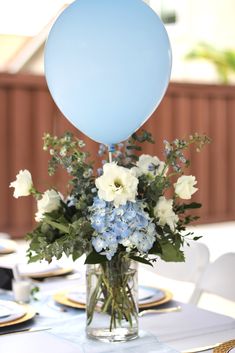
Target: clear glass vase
point(112, 300)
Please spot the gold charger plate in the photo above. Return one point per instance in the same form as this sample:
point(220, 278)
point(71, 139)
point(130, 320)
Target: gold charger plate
point(30, 313)
point(57, 272)
point(225, 347)
point(61, 298)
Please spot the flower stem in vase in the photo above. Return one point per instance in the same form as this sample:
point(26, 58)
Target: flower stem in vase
point(112, 304)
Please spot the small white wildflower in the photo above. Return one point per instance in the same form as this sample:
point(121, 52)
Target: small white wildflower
point(63, 151)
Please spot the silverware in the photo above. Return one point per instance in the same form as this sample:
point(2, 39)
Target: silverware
point(4, 316)
point(33, 329)
point(160, 311)
point(201, 349)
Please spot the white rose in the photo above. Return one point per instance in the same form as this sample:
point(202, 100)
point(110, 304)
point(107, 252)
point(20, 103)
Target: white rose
point(149, 165)
point(184, 187)
point(49, 202)
point(22, 184)
point(117, 184)
point(163, 210)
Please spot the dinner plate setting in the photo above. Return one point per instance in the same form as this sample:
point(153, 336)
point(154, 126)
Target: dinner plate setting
point(12, 313)
point(43, 270)
point(148, 297)
point(7, 246)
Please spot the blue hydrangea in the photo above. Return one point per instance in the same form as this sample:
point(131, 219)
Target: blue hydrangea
point(128, 225)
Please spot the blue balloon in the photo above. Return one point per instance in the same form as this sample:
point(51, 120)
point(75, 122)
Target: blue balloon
point(107, 65)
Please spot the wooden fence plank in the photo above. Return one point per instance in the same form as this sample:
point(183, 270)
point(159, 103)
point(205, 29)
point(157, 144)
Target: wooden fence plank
point(27, 111)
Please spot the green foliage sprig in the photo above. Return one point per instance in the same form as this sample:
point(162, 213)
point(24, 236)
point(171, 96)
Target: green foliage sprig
point(68, 229)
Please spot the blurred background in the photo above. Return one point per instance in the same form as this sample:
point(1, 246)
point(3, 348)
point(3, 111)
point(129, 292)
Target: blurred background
point(200, 98)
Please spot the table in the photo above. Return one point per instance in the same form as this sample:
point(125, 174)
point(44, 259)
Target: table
point(191, 327)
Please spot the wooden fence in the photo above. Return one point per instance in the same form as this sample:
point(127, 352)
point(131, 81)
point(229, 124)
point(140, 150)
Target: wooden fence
point(27, 111)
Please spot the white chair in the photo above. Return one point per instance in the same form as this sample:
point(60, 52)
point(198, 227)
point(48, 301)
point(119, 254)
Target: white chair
point(218, 279)
point(174, 275)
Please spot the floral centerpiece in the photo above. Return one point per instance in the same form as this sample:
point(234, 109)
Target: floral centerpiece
point(119, 215)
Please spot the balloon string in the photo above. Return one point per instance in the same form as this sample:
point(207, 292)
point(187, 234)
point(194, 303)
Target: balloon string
point(111, 149)
point(110, 157)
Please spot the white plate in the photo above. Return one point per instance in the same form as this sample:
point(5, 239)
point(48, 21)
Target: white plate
point(7, 246)
point(146, 295)
point(37, 268)
point(41, 270)
point(150, 294)
point(10, 311)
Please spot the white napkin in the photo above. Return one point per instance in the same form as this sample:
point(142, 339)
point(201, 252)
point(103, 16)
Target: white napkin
point(150, 294)
point(10, 311)
point(7, 245)
point(37, 268)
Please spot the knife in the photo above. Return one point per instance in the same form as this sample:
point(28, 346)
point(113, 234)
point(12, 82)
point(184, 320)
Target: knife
point(4, 316)
point(33, 329)
point(159, 311)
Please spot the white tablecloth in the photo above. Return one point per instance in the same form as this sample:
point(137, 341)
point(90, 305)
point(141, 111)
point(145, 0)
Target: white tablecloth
point(160, 333)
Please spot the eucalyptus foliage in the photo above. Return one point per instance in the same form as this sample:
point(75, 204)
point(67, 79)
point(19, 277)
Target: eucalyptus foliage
point(70, 228)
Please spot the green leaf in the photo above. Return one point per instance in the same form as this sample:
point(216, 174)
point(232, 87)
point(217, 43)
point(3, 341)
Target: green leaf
point(35, 258)
point(141, 259)
point(95, 258)
point(59, 226)
point(198, 237)
point(170, 252)
point(192, 205)
point(156, 249)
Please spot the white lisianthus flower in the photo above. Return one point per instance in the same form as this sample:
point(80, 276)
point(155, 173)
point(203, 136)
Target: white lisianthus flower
point(164, 211)
point(149, 165)
point(117, 184)
point(23, 184)
point(184, 187)
point(49, 202)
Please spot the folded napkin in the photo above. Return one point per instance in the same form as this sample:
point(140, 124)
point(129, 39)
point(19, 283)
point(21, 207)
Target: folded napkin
point(10, 311)
point(37, 268)
point(7, 246)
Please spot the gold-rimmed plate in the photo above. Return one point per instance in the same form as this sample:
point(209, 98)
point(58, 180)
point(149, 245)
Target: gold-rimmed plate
point(29, 314)
point(65, 298)
point(44, 273)
point(225, 347)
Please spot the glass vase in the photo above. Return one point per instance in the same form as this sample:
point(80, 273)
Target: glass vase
point(112, 300)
